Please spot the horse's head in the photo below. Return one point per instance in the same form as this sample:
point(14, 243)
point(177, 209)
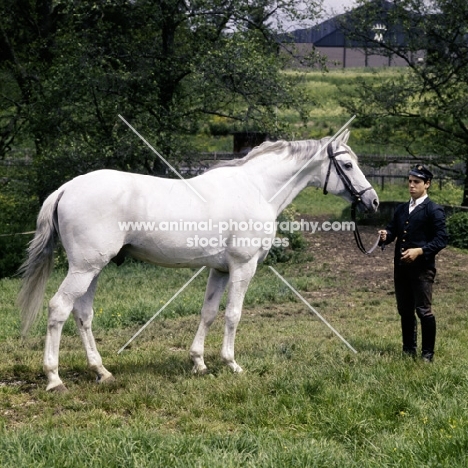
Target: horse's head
point(342, 176)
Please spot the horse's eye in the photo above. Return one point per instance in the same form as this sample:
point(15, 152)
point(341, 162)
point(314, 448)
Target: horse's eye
point(348, 165)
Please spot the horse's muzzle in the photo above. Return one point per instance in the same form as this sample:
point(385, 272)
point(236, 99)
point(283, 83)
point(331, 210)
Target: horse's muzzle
point(369, 202)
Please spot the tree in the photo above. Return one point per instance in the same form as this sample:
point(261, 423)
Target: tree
point(167, 66)
point(425, 107)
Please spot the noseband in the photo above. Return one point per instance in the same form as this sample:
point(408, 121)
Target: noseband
point(356, 196)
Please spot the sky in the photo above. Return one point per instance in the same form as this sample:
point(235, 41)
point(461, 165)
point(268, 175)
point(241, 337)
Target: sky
point(338, 6)
point(331, 7)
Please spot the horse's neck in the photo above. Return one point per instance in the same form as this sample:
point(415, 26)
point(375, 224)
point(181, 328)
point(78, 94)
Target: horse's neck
point(280, 180)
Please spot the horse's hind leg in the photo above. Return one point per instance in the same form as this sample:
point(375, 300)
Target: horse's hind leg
point(83, 313)
point(72, 288)
point(214, 290)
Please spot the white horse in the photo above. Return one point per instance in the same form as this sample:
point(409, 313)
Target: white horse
point(92, 215)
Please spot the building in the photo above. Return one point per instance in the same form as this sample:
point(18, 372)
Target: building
point(330, 39)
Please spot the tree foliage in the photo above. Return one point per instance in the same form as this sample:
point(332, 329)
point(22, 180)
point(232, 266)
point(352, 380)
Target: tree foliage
point(457, 226)
point(68, 68)
point(167, 66)
point(425, 107)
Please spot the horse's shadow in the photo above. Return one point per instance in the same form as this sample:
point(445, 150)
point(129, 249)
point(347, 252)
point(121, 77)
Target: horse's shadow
point(377, 349)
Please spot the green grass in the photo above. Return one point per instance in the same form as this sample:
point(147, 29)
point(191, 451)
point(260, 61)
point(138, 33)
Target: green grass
point(326, 92)
point(305, 400)
point(326, 115)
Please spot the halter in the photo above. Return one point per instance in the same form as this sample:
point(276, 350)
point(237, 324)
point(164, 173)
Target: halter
point(342, 175)
point(356, 196)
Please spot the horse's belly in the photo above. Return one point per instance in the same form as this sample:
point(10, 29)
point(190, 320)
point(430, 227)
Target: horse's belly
point(175, 258)
point(217, 251)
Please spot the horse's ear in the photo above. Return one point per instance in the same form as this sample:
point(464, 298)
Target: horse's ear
point(345, 137)
point(338, 140)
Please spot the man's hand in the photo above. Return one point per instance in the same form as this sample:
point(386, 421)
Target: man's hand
point(410, 255)
point(383, 235)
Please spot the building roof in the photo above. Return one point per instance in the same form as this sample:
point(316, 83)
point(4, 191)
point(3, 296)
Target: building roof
point(330, 33)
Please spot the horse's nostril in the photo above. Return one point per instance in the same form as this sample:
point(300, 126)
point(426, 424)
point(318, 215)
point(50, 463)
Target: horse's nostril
point(376, 202)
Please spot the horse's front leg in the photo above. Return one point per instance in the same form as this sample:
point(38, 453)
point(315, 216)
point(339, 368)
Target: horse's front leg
point(214, 290)
point(239, 281)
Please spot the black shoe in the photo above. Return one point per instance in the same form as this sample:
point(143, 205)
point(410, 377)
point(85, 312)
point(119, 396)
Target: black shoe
point(427, 357)
point(410, 352)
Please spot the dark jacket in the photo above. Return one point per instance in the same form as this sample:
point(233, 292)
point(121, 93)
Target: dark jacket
point(424, 227)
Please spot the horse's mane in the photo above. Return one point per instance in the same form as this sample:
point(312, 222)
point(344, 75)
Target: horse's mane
point(297, 149)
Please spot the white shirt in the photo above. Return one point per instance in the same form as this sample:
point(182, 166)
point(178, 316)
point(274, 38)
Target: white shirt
point(414, 203)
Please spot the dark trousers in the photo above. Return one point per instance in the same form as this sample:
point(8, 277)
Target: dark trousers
point(413, 289)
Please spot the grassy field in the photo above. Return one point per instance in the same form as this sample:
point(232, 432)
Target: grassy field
point(324, 92)
point(305, 400)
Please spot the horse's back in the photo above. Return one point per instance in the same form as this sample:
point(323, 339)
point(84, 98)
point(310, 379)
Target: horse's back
point(109, 191)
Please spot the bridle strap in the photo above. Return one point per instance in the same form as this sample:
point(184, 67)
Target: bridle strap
point(341, 174)
point(354, 193)
point(357, 235)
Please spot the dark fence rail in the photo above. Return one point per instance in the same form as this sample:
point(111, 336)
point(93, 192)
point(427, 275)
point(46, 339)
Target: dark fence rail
point(379, 169)
point(383, 179)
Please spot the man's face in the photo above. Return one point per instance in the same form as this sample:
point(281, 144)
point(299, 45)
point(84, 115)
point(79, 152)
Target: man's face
point(417, 187)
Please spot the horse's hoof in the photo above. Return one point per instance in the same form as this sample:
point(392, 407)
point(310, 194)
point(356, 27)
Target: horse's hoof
point(58, 389)
point(236, 368)
point(199, 370)
point(106, 380)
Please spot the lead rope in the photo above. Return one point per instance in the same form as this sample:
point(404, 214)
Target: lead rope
point(356, 197)
point(357, 236)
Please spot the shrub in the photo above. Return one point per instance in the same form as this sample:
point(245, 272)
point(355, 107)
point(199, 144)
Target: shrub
point(457, 226)
point(15, 217)
point(295, 239)
point(219, 128)
point(12, 254)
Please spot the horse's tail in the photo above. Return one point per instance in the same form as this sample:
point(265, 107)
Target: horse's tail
point(39, 263)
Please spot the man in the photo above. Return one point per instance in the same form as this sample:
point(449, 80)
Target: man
point(419, 229)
